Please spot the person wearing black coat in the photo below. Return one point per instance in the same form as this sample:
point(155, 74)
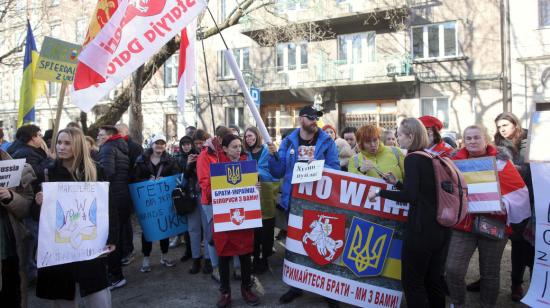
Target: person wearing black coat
point(154, 164)
point(127, 233)
point(113, 158)
point(30, 146)
point(59, 282)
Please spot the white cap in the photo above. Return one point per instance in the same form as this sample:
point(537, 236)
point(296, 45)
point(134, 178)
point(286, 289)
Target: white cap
point(157, 137)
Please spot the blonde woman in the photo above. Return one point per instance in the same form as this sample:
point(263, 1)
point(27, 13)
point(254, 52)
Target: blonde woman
point(425, 240)
point(58, 283)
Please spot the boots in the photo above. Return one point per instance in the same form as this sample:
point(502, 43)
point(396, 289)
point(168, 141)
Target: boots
point(517, 293)
point(225, 300)
point(196, 267)
point(249, 297)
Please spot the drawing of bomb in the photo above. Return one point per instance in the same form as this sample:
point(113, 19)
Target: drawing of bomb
point(76, 224)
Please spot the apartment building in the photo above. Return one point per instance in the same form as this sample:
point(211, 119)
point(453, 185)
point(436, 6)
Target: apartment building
point(361, 62)
point(530, 57)
point(372, 62)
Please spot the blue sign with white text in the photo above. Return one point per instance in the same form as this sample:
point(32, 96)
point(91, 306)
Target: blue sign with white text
point(255, 94)
point(155, 209)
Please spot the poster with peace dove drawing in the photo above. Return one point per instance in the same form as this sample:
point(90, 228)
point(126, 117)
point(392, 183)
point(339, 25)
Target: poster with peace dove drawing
point(74, 222)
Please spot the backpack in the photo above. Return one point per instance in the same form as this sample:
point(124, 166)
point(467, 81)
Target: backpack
point(451, 190)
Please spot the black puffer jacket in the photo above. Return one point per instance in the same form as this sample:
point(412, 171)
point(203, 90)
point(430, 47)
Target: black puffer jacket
point(59, 281)
point(36, 157)
point(144, 168)
point(134, 151)
point(113, 158)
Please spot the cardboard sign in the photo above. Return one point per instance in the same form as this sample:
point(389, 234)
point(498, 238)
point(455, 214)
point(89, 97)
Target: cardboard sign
point(307, 172)
point(74, 222)
point(539, 292)
point(538, 148)
point(235, 197)
point(57, 61)
point(155, 208)
point(343, 246)
point(483, 184)
point(10, 172)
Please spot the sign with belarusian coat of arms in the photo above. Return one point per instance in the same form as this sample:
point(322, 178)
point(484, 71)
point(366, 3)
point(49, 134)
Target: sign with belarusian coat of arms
point(343, 246)
point(235, 197)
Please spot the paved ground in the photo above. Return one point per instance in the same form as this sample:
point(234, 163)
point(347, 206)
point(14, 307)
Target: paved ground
point(175, 287)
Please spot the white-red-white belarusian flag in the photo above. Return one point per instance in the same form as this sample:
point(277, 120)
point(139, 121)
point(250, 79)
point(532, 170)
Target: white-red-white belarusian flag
point(186, 68)
point(135, 31)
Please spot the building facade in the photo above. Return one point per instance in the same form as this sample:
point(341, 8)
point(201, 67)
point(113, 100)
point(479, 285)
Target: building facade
point(359, 61)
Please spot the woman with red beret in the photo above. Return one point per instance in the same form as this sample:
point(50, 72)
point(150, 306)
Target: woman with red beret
point(437, 145)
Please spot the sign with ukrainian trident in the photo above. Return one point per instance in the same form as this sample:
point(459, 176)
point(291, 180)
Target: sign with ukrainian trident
point(324, 233)
point(367, 246)
point(343, 246)
point(74, 222)
point(235, 197)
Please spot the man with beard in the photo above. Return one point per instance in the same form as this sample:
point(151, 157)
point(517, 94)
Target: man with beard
point(305, 144)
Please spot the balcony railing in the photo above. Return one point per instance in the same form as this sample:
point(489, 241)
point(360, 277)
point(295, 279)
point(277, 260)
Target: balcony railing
point(314, 10)
point(330, 73)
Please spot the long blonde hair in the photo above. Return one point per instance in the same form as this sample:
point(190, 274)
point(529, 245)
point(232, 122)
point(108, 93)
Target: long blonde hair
point(83, 166)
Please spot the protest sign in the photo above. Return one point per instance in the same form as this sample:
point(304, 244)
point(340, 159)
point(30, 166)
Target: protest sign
point(539, 288)
point(362, 266)
point(134, 33)
point(57, 61)
point(155, 208)
point(307, 172)
point(483, 184)
point(235, 197)
point(74, 222)
point(538, 148)
point(10, 172)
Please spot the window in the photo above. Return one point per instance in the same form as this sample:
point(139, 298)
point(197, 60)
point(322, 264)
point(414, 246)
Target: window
point(226, 7)
point(235, 116)
point(357, 48)
point(291, 56)
point(434, 41)
point(56, 29)
point(544, 13)
point(171, 71)
point(80, 34)
point(53, 89)
point(437, 107)
point(242, 57)
point(291, 5)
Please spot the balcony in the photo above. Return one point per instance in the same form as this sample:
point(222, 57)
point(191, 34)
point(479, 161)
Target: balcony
point(331, 73)
point(338, 11)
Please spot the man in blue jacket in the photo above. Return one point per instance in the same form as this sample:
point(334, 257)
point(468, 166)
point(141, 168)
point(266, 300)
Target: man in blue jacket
point(307, 143)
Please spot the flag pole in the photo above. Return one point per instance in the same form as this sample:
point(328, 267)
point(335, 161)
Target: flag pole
point(208, 86)
point(230, 58)
point(60, 99)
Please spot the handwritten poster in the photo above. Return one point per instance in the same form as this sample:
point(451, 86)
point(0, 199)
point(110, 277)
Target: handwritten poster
point(74, 222)
point(155, 209)
point(539, 288)
point(10, 172)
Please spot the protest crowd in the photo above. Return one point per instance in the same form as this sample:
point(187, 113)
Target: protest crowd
point(434, 256)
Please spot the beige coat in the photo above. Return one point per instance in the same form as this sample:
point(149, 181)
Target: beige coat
point(17, 209)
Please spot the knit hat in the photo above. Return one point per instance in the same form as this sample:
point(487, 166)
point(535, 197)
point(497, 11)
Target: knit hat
point(430, 121)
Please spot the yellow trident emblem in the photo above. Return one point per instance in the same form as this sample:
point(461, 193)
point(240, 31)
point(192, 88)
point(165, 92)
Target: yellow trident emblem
point(366, 255)
point(233, 174)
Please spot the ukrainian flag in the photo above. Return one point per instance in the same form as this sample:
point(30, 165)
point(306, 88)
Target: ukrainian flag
point(31, 88)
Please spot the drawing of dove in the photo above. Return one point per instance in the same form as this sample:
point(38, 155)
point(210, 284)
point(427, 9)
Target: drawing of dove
point(76, 224)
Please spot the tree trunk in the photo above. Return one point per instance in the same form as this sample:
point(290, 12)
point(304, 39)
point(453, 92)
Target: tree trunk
point(136, 116)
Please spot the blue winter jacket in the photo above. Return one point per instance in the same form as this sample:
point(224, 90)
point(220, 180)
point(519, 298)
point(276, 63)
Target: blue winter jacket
point(283, 165)
point(263, 165)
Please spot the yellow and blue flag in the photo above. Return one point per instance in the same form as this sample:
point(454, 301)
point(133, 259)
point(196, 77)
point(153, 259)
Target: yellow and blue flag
point(31, 88)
